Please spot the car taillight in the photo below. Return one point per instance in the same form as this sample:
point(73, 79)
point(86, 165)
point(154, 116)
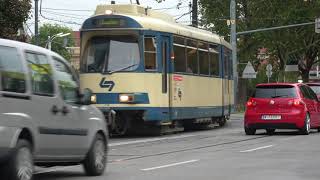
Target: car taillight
point(296, 102)
point(251, 103)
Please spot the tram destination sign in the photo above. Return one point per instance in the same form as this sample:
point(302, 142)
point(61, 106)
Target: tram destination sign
point(109, 22)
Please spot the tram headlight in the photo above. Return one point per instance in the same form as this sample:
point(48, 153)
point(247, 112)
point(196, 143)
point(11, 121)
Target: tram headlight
point(126, 98)
point(93, 99)
point(108, 12)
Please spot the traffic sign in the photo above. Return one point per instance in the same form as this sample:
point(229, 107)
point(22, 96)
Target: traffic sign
point(269, 67)
point(317, 25)
point(269, 71)
point(269, 74)
point(249, 71)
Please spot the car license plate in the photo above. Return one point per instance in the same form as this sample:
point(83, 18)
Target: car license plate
point(271, 117)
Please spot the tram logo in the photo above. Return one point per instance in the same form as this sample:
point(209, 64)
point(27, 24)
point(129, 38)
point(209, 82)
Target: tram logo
point(106, 84)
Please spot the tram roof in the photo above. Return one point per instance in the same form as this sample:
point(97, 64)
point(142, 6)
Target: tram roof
point(159, 21)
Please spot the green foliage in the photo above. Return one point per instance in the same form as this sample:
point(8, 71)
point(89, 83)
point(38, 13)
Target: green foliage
point(13, 13)
point(57, 44)
point(299, 44)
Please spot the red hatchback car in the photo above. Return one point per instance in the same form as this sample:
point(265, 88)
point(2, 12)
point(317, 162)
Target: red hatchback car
point(282, 106)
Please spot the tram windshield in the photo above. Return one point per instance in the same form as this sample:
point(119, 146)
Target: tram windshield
point(107, 54)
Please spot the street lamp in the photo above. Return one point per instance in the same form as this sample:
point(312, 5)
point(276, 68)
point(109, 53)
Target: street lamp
point(50, 39)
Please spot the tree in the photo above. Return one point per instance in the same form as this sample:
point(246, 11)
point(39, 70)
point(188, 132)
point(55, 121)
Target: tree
point(299, 44)
point(13, 13)
point(58, 45)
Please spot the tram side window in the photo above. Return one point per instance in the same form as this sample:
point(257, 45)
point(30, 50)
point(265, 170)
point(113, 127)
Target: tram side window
point(12, 74)
point(192, 57)
point(230, 65)
point(179, 49)
point(214, 60)
point(203, 58)
point(150, 53)
point(226, 64)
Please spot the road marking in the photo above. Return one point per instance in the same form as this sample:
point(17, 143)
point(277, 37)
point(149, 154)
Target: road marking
point(263, 147)
point(54, 169)
point(170, 165)
point(148, 140)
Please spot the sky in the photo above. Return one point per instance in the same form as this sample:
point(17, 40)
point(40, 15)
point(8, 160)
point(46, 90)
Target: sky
point(72, 13)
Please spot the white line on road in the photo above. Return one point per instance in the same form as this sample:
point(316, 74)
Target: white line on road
point(169, 165)
point(263, 147)
point(148, 140)
point(55, 169)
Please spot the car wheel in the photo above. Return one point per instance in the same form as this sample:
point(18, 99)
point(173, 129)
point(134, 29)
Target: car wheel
point(20, 164)
point(250, 131)
point(96, 159)
point(270, 131)
point(306, 128)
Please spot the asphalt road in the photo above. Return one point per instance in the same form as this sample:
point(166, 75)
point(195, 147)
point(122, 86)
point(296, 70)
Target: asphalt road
point(220, 153)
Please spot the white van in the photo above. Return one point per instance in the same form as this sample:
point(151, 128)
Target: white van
point(44, 120)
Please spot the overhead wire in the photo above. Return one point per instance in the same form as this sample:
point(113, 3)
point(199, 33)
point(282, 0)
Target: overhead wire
point(183, 15)
point(56, 20)
point(63, 15)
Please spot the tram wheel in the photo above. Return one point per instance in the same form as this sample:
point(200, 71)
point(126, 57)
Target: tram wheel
point(122, 124)
point(222, 122)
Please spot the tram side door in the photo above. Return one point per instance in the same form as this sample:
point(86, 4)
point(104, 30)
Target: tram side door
point(165, 61)
point(225, 84)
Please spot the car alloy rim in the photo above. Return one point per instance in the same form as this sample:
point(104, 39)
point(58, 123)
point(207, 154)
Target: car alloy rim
point(100, 154)
point(308, 123)
point(24, 164)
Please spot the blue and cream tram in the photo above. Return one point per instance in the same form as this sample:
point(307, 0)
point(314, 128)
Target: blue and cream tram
point(156, 74)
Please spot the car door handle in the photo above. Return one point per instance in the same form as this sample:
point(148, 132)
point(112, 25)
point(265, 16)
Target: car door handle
point(54, 109)
point(65, 110)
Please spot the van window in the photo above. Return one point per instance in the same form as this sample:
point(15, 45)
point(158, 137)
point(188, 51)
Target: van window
point(67, 83)
point(41, 74)
point(280, 91)
point(13, 75)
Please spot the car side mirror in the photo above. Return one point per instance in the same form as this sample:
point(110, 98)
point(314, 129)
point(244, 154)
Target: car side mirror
point(88, 97)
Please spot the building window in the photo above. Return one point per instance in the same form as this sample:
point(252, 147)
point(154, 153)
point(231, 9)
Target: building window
point(12, 73)
point(41, 74)
point(150, 53)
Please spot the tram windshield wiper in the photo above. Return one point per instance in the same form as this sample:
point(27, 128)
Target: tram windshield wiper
point(121, 69)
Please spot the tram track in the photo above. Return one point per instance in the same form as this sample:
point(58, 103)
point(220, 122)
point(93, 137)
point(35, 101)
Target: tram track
point(187, 149)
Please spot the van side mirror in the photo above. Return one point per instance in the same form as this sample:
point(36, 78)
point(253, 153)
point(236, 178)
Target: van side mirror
point(88, 97)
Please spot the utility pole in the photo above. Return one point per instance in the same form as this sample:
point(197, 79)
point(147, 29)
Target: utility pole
point(36, 19)
point(138, 2)
point(233, 42)
point(195, 13)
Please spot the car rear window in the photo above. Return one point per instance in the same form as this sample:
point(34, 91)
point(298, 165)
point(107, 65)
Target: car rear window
point(315, 88)
point(275, 92)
